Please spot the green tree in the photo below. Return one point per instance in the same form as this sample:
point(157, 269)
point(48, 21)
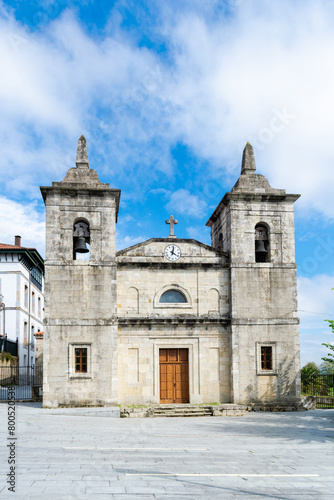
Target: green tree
point(330, 356)
point(308, 372)
point(326, 368)
point(312, 382)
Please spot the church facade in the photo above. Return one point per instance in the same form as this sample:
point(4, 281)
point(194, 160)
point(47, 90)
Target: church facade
point(170, 320)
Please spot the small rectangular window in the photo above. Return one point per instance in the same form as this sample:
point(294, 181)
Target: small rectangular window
point(33, 302)
point(39, 306)
point(80, 360)
point(266, 358)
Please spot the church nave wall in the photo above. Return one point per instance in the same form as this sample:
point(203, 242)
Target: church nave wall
point(139, 380)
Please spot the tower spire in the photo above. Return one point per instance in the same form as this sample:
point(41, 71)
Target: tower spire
point(82, 155)
point(248, 160)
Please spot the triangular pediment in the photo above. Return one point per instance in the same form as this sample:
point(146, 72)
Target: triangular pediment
point(153, 250)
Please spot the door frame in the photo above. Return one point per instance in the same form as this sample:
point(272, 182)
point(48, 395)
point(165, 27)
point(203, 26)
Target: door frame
point(193, 365)
point(174, 371)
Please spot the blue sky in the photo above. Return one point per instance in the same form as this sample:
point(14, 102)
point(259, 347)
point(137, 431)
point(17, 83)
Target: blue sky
point(167, 95)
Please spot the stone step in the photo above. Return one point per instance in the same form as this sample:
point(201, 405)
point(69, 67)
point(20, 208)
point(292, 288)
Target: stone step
point(181, 411)
point(190, 413)
point(182, 407)
point(185, 410)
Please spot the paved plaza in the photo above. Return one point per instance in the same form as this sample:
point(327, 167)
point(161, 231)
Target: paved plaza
point(262, 455)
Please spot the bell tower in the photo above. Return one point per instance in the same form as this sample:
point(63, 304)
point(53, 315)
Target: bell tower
point(80, 339)
point(254, 223)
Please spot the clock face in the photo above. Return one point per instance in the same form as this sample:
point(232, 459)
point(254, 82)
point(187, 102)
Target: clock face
point(172, 253)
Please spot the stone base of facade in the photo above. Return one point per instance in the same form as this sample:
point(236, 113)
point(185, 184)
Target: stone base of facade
point(189, 410)
point(277, 407)
point(78, 404)
point(183, 410)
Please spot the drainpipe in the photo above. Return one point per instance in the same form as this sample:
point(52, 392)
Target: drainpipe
point(3, 308)
point(29, 322)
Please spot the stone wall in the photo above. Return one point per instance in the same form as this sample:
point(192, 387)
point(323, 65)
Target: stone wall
point(209, 360)
point(147, 325)
point(263, 306)
point(80, 295)
point(139, 289)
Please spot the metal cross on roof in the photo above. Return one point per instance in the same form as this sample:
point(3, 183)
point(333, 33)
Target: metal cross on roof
point(171, 221)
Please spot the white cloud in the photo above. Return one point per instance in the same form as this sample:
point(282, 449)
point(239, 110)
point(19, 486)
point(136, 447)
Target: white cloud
point(265, 73)
point(265, 76)
point(315, 304)
point(53, 81)
point(159, 191)
point(22, 220)
point(182, 202)
point(316, 297)
point(128, 241)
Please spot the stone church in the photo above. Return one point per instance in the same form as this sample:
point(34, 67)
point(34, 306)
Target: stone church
point(170, 320)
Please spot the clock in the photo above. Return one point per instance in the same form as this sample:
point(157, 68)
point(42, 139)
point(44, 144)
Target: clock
point(172, 253)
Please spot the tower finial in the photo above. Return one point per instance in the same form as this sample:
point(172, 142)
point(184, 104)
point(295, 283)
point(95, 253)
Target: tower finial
point(82, 155)
point(248, 160)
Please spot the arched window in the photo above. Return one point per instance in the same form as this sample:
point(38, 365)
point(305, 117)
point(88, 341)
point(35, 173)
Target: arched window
point(81, 240)
point(261, 242)
point(172, 297)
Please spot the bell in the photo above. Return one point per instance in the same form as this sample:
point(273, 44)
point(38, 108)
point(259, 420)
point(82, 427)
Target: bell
point(80, 246)
point(260, 251)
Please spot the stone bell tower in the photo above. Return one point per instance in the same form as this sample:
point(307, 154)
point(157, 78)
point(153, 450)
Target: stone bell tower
point(254, 223)
point(80, 339)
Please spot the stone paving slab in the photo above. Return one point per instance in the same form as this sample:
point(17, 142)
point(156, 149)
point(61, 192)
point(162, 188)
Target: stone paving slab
point(285, 456)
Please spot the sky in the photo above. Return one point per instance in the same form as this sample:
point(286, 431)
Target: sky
point(167, 95)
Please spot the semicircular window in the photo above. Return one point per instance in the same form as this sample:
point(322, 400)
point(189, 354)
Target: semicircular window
point(172, 297)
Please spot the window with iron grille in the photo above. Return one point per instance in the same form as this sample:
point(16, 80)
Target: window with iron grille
point(266, 358)
point(80, 360)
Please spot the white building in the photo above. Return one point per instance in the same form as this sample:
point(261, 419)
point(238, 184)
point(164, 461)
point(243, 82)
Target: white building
point(22, 298)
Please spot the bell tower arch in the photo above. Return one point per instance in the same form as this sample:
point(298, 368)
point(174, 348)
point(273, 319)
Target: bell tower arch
point(254, 223)
point(80, 339)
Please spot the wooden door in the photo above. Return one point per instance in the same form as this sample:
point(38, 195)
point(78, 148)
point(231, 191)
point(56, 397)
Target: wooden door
point(174, 376)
